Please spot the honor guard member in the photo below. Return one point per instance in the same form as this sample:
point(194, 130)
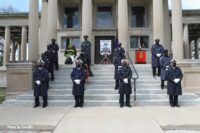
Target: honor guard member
point(41, 84)
point(164, 64)
point(45, 60)
point(119, 49)
point(174, 77)
point(156, 52)
point(125, 88)
point(55, 49)
point(50, 56)
point(86, 48)
point(78, 79)
point(117, 63)
point(84, 65)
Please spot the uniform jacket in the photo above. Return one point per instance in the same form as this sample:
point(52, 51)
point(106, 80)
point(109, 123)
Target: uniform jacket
point(171, 74)
point(78, 89)
point(125, 89)
point(86, 48)
point(50, 56)
point(55, 49)
point(164, 62)
point(117, 62)
point(43, 77)
point(156, 49)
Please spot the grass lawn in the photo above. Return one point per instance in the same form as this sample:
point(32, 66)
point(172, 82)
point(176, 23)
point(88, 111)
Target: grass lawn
point(2, 94)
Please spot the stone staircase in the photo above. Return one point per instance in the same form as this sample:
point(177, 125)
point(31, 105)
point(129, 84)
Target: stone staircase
point(100, 89)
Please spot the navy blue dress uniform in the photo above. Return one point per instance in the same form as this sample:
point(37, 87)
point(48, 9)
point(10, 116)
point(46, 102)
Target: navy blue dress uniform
point(156, 52)
point(117, 63)
point(78, 79)
point(55, 48)
point(86, 48)
point(164, 64)
point(125, 88)
point(174, 77)
point(118, 50)
point(41, 84)
point(50, 56)
point(46, 61)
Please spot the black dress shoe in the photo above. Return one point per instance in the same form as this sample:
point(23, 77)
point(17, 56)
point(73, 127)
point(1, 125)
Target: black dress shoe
point(44, 106)
point(121, 105)
point(172, 105)
point(128, 105)
point(76, 105)
point(177, 105)
point(35, 106)
point(81, 105)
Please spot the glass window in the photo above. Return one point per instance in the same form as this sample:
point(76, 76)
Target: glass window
point(70, 40)
point(71, 17)
point(138, 17)
point(104, 16)
point(139, 41)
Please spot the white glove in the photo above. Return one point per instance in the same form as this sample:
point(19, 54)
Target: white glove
point(158, 54)
point(77, 81)
point(38, 82)
point(167, 68)
point(119, 67)
point(126, 81)
point(176, 80)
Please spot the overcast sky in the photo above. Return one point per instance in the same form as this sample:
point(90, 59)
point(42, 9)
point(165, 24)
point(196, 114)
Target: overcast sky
point(22, 5)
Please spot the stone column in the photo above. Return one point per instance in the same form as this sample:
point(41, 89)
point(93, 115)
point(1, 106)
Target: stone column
point(87, 19)
point(6, 56)
point(186, 42)
point(177, 30)
point(52, 20)
point(33, 29)
point(158, 20)
point(43, 27)
point(13, 50)
point(123, 23)
point(167, 27)
point(23, 43)
point(87, 24)
point(19, 52)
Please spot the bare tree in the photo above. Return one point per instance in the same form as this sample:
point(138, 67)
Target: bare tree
point(8, 9)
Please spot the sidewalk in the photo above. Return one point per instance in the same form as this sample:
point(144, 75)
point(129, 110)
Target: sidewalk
point(100, 119)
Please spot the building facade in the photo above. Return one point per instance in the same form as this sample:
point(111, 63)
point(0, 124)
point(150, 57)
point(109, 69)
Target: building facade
point(134, 23)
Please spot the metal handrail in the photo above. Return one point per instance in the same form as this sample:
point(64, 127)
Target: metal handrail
point(134, 78)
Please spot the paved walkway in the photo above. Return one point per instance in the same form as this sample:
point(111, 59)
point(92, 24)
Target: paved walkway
point(99, 119)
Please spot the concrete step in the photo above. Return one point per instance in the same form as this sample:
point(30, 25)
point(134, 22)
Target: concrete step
point(100, 82)
point(163, 102)
point(104, 86)
point(106, 97)
point(106, 91)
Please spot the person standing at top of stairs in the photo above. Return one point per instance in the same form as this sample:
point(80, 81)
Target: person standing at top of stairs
point(86, 48)
point(156, 52)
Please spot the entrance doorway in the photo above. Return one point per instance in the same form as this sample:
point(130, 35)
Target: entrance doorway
point(98, 44)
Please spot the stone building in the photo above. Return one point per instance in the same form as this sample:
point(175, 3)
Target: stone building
point(134, 23)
